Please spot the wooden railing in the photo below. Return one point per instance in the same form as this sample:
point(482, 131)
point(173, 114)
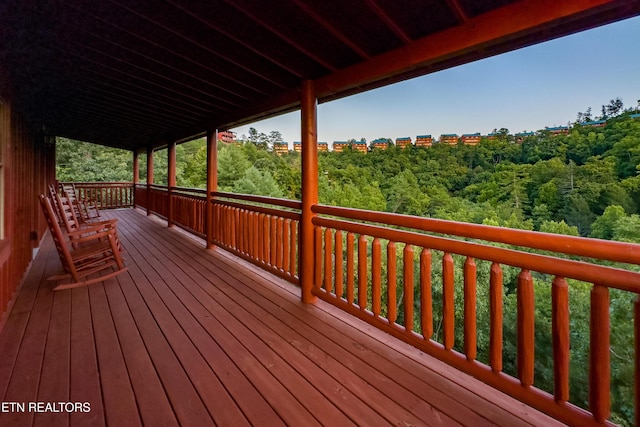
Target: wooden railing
point(158, 200)
point(423, 280)
point(188, 209)
point(107, 195)
point(352, 245)
point(262, 230)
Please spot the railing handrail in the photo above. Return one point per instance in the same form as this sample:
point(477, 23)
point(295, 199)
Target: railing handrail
point(260, 209)
point(570, 245)
point(189, 190)
point(605, 276)
point(97, 183)
point(287, 203)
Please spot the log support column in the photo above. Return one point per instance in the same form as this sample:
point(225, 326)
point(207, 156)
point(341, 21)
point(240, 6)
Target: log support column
point(309, 135)
point(171, 181)
point(149, 179)
point(212, 182)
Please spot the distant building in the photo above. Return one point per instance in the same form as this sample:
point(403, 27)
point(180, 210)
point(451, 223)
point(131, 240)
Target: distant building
point(227, 136)
point(471, 138)
point(492, 136)
point(522, 135)
point(281, 148)
point(594, 124)
point(322, 146)
point(558, 130)
point(360, 146)
point(449, 138)
point(381, 143)
point(424, 141)
point(634, 116)
point(339, 146)
point(403, 142)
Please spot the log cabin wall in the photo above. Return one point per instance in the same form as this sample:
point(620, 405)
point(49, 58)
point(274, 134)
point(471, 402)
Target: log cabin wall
point(27, 166)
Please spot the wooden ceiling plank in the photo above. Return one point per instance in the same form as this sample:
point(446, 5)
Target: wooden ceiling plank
point(390, 23)
point(238, 40)
point(200, 45)
point(169, 81)
point(141, 92)
point(167, 48)
point(458, 11)
point(280, 35)
point(180, 95)
point(331, 29)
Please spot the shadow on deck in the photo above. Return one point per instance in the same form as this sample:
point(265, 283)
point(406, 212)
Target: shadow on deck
point(195, 337)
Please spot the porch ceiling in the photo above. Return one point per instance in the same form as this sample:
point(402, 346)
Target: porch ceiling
point(135, 73)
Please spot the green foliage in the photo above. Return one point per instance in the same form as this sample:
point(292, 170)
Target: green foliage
point(84, 162)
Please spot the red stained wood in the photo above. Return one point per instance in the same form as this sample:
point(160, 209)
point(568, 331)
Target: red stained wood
point(338, 252)
point(599, 355)
point(392, 282)
point(407, 258)
point(317, 283)
point(328, 271)
point(426, 300)
point(470, 334)
point(495, 308)
point(526, 328)
point(376, 284)
point(350, 268)
point(448, 309)
point(561, 338)
point(363, 279)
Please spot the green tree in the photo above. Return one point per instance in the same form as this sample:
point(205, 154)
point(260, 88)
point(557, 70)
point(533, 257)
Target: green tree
point(258, 183)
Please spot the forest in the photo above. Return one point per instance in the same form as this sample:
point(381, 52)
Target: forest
point(585, 183)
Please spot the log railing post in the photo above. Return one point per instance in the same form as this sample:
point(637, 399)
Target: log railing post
point(212, 181)
point(309, 189)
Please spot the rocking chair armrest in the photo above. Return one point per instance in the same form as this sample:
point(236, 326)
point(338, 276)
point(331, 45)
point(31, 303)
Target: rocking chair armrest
point(96, 236)
point(107, 222)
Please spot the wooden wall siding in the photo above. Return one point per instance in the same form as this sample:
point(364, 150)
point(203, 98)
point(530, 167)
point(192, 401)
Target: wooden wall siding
point(28, 165)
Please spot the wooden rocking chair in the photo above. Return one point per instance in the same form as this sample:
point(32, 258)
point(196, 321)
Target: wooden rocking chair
point(67, 218)
point(86, 209)
point(95, 259)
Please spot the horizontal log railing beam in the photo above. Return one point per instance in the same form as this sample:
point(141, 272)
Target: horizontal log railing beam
point(580, 246)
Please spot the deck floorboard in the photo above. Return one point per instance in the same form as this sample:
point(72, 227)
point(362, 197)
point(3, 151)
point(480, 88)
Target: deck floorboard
point(190, 336)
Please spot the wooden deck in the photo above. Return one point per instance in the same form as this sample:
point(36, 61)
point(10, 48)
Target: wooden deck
point(195, 337)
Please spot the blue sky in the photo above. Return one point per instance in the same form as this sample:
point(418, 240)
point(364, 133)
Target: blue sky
point(528, 89)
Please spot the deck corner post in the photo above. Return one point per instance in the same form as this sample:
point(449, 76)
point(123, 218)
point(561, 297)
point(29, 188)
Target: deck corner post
point(212, 182)
point(309, 127)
